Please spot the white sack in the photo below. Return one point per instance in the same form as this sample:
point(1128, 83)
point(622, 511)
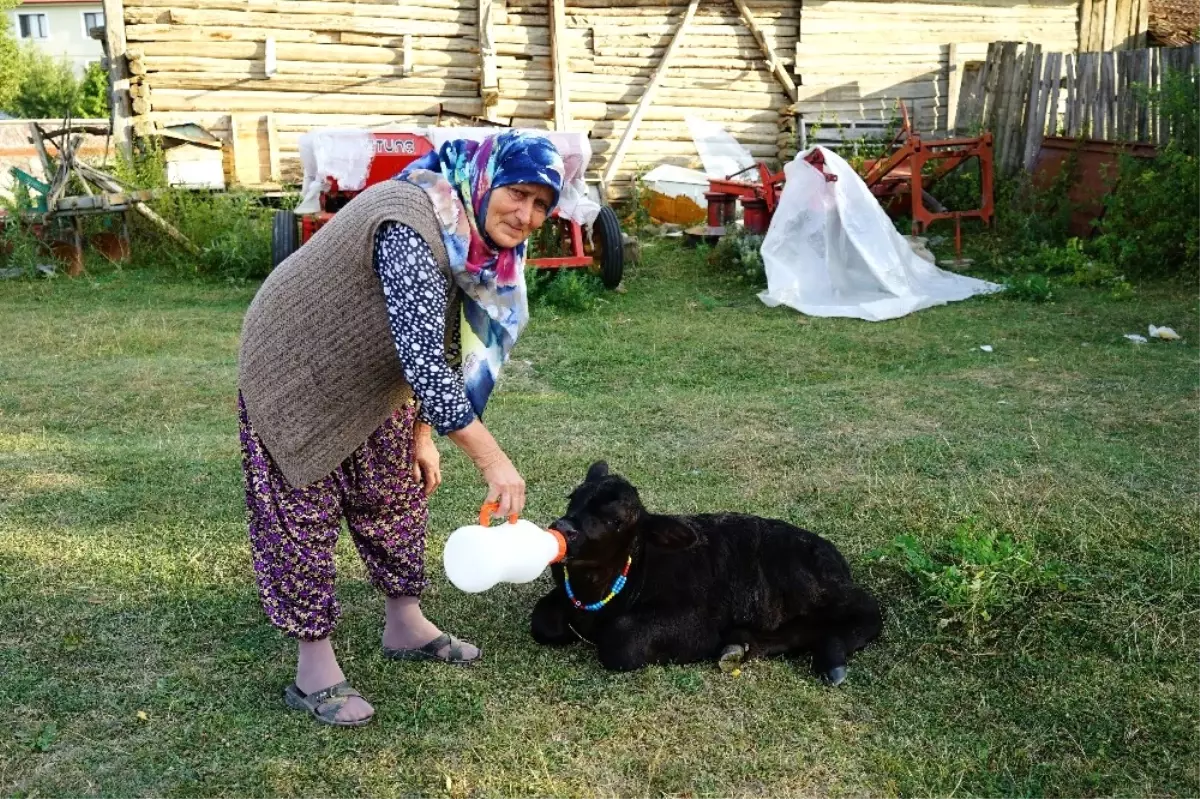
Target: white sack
point(832, 251)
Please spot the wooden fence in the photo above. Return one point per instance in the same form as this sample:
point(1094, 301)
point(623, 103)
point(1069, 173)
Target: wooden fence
point(1022, 94)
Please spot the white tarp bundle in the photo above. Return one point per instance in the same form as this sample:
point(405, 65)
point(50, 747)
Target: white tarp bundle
point(345, 156)
point(832, 251)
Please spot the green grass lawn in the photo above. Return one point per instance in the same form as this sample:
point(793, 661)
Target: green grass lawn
point(134, 659)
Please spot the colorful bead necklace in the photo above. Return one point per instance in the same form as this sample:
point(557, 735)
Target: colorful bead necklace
point(617, 585)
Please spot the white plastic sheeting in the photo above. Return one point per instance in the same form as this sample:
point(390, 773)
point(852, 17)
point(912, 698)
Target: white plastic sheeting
point(341, 154)
point(721, 154)
point(832, 251)
point(345, 155)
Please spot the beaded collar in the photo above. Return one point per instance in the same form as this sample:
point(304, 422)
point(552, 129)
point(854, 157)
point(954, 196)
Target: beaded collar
point(617, 585)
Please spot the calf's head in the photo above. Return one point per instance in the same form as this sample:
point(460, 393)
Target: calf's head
point(605, 515)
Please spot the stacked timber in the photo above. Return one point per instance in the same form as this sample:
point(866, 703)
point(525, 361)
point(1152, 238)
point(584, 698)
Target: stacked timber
point(259, 73)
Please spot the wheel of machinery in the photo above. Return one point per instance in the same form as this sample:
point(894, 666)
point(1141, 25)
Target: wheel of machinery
point(285, 237)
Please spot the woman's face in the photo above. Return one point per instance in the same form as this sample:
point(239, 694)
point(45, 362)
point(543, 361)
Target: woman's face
point(515, 211)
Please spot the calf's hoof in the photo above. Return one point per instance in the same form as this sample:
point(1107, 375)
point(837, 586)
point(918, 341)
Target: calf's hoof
point(836, 676)
point(731, 659)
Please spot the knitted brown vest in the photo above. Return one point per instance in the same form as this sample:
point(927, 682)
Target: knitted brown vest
point(318, 368)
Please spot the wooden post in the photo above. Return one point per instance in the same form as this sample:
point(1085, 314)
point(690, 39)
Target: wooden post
point(118, 76)
point(953, 88)
point(489, 83)
point(648, 96)
point(1143, 25)
point(773, 62)
point(562, 71)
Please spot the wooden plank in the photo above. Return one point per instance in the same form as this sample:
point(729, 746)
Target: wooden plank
point(489, 85)
point(773, 62)
point(1039, 105)
point(1108, 95)
point(985, 93)
point(299, 20)
point(273, 148)
point(1009, 78)
point(954, 87)
point(1033, 104)
point(562, 72)
point(1054, 126)
point(121, 105)
point(1143, 24)
point(1155, 118)
point(290, 8)
point(1094, 125)
point(291, 51)
point(1072, 118)
point(648, 96)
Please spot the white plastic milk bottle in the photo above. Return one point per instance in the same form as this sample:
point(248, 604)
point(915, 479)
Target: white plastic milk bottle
point(477, 557)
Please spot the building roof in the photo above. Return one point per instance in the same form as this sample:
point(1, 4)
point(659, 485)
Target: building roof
point(1174, 23)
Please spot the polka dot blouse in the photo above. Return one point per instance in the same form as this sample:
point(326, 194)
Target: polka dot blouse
point(415, 289)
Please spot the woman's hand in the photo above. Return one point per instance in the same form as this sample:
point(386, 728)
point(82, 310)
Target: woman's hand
point(427, 461)
point(505, 485)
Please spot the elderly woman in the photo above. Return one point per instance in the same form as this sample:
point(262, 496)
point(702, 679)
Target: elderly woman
point(393, 320)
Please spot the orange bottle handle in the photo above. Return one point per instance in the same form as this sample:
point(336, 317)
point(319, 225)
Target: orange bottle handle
point(485, 514)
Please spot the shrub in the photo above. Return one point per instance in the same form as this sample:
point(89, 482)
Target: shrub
point(566, 290)
point(1030, 288)
point(41, 86)
point(974, 578)
point(1149, 225)
point(739, 253)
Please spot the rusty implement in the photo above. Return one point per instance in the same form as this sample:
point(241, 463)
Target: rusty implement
point(55, 214)
point(902, 180)
point(759, 199)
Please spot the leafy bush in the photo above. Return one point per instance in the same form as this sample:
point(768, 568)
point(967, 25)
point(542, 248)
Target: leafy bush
point(572, 290)
point(10, 59)
point(1030, 288)
point(974, 578)
point(41, 86)
point(739, 253)
point(1149, 225)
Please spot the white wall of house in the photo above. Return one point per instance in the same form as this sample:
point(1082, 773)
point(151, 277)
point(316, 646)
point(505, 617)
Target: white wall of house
point(59, 28)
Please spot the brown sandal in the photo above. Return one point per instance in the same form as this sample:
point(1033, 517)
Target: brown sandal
point(431, 649)
point(324, 705)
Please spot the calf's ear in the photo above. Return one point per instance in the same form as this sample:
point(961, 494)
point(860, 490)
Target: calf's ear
point(598, 470)
point(667, 533)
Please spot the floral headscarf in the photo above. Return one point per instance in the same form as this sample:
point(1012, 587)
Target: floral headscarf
point(459, 179)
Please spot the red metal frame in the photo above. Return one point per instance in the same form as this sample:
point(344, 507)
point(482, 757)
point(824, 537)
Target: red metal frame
point(902, 174)
point(393, 152)
point(759, 200)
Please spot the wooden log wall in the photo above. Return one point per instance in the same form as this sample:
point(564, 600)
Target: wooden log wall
point(717, 73)
point(857, 57)
point(1113, 24)
point(262, 72)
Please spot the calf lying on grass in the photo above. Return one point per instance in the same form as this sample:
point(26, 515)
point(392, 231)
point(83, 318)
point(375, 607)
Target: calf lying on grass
point(648, 588)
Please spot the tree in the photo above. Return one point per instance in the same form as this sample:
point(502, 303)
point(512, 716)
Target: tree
point(10, 57)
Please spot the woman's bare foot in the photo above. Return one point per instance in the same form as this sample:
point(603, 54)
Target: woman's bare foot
point(317, 669)
point(405, 627)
